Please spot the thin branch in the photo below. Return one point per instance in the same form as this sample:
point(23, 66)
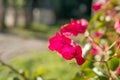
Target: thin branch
point(14, 70)
point(112, 45)
point(94, 60)
point(108, 70)
point(91, 39)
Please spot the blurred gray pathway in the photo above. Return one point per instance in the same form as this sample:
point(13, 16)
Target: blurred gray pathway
point(11, 46)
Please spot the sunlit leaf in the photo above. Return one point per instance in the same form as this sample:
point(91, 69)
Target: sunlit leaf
point(40, 71)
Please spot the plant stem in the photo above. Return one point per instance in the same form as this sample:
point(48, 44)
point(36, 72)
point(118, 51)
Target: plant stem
point(108, 69)
point(91, 39)
point(112, 45)
point(14, 70)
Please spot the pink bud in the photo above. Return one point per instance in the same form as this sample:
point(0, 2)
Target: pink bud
point(96, 6)
point(94, 51)
point(74, 27)
point(118, 70)
point(118, 44)
point(117, 26)
point(98, 34)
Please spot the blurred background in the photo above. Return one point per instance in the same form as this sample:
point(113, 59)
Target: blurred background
point(26, 26)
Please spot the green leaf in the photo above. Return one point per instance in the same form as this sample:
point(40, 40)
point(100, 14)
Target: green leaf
point(94, 18)
point(97, 40)
point(79, 76)
point(40, 71)
point(88, 63)
point(99, 24)
point(85, 74)
point(115, 2)
point(16, 78)
point(113, 63)
point(102, 78)
point(89, 73)
point(26, 73)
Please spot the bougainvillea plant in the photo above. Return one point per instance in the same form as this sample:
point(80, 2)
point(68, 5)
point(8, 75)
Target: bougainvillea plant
point(98, 50)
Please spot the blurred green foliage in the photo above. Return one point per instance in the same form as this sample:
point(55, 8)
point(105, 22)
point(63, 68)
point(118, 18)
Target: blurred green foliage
point(37, 31)
point(48, 66)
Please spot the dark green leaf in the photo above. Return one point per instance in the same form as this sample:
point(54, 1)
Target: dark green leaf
point(16, 78)
point(102, 78)
point(88, 63)
point(113, 63)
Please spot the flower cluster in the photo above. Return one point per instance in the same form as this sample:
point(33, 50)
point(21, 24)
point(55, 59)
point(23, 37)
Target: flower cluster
point(74, 28)
point(106, 7)
point(102, 38)
point(97, 6)
point(65, 46)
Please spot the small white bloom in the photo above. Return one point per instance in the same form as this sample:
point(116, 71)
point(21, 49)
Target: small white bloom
point(107, 18)
point(97, 71)
point(86, 48)
point(39, 78)
point(102, 18)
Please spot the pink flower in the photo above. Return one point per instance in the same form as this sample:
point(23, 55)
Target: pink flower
point(75, 27)
point(97, 6)
point(58, 41)
point(78, 56)
point(98, 34)
point(66, 48)
point(117, 26)
point(118, 44)
point(95, 49)
point(118, 70)
point(70, 52)
point(67, 52)
point(63, 45)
